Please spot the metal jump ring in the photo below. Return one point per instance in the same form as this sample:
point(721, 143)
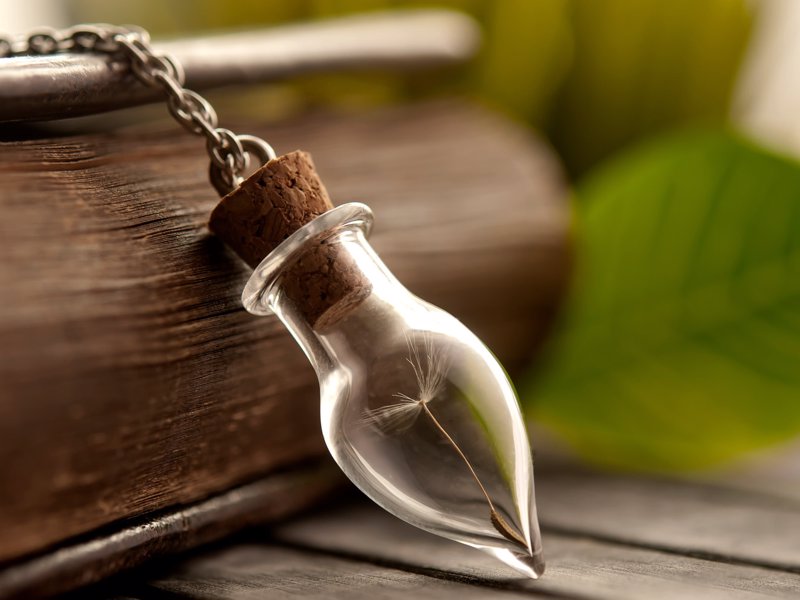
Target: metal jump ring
point(253, 146)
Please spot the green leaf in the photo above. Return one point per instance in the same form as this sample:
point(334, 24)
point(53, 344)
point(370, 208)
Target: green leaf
point(681, 344)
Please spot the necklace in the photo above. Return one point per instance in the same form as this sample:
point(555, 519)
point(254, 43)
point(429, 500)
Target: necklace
point(415, 410)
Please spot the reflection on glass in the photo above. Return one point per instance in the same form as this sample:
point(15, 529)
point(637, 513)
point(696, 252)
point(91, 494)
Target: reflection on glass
point(415, 409)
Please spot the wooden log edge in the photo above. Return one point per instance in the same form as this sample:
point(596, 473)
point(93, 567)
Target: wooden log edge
point(130, 543)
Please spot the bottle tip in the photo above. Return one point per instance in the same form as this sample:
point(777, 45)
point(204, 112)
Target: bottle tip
point(529, 564)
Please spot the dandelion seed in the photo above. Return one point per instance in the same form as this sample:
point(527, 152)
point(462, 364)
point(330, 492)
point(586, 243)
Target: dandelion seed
point(430, 371)
point(394, 418)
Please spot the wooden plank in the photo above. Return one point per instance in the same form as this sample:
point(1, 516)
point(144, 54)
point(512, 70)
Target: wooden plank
point(577, 566)
point(131, 380)
point(256, 571)
point(131, 543)
point(682, 517)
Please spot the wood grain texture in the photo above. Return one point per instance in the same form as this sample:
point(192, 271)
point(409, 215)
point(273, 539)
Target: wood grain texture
point(746, 527)
point(250, 572)
point(131, 380)
point(578, 567)
point(126, 545)
point(313, 551)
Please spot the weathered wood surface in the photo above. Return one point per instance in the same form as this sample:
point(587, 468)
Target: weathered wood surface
point(743, 526)
point(595, 550)
point(130, 378)
point(90, 558)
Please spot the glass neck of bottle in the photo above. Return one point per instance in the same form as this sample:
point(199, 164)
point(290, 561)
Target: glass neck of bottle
point(335, 296)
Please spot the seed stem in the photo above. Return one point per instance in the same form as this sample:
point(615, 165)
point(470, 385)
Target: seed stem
point(500, 524)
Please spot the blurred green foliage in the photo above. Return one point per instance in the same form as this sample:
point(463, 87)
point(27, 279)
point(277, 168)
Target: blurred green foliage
point(593, 74)
point(528, 49)
point(681, 347)
point(641, 66)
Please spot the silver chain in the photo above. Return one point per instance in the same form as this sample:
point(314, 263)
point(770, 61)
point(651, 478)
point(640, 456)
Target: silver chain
point(230, 153)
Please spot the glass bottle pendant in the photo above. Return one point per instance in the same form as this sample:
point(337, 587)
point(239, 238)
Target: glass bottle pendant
point(415, 409)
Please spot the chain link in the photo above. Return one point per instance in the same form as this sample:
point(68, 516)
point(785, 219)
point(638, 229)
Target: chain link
point(230, 153)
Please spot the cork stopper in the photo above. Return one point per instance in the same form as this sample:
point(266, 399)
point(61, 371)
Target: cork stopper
point(277, 200)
